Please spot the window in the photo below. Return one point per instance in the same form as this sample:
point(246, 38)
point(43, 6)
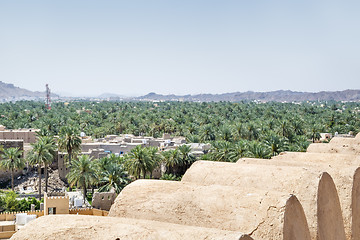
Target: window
point(52, 210)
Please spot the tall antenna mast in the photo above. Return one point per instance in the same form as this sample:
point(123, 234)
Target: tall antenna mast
point(48, 100)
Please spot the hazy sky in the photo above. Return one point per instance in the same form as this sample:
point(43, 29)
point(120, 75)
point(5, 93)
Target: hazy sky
point(88, 47)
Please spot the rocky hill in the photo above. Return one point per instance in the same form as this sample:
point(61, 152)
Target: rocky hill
point(10, 92)
point(278, 96)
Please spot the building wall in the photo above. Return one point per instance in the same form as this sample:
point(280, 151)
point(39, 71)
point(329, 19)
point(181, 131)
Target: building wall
point(86, 147)
point(10, 216)
point(157, 172)
point(7, 234)
point(8, 143)
point(103, 200)
point(62, 166)
point(126, 148)
point(7, 228)
point(88, 211)
point(154, 143)
point(166, 136)
point(54, 165)
point(27, 135)
point(95, 153)
point(110, 137)
point(112, 147)
point(60, 203)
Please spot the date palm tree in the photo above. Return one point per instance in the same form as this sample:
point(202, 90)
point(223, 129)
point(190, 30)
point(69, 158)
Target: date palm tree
point(171, 159)
point(138, 161)
point(69, 141)
point(239, 131)
point(297, 125)
point(82, 173)
point(42, 154)
point(221, 151)
point(154, 159)
point(50, 144)
point(252, 131)
point(300, 144)
point(186, 158)
point(207, 134)
point(113, 177)
point(12, 160)
point(192, 138)
point(284, 127)
point(239, 150)
point(226, 133)
point(277, 144)
point(259, 150)
point(315, 132)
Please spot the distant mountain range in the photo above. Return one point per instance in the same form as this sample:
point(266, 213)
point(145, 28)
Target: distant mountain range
point(111, 95)
point(10, 92)
point(277, 96)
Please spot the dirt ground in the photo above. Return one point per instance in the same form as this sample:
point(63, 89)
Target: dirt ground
point(76, 227)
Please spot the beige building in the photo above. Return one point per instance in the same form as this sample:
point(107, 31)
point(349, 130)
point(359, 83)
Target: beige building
point(124, 143)
point(118, 145)
point(27, 135)
point(103, 200)
point(56, 205)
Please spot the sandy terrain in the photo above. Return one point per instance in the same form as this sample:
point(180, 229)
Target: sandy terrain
point(65, 227)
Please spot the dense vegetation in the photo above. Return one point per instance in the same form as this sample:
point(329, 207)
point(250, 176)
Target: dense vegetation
point(205, 121)
point(10, 203)
point(224, 124)
point(234, 130)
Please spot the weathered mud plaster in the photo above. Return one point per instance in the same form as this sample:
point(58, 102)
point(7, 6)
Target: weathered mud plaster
point(64, 227)
point(344, 148)
point(330, 221)
point(256, 212)
point(340, 166)
point(356, 206)
point(295, 224)
point(279, 176)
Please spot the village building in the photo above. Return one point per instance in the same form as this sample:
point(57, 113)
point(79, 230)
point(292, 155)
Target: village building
point(103, 200)
point(27, 135)
point(56, 204)
point(122, 144)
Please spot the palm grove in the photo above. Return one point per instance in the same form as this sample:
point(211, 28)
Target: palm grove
point(234, 130)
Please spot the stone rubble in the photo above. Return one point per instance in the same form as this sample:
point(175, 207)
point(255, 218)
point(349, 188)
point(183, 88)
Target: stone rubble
point(29, 183)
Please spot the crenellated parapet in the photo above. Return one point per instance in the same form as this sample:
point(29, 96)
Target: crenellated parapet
point(10, 216)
